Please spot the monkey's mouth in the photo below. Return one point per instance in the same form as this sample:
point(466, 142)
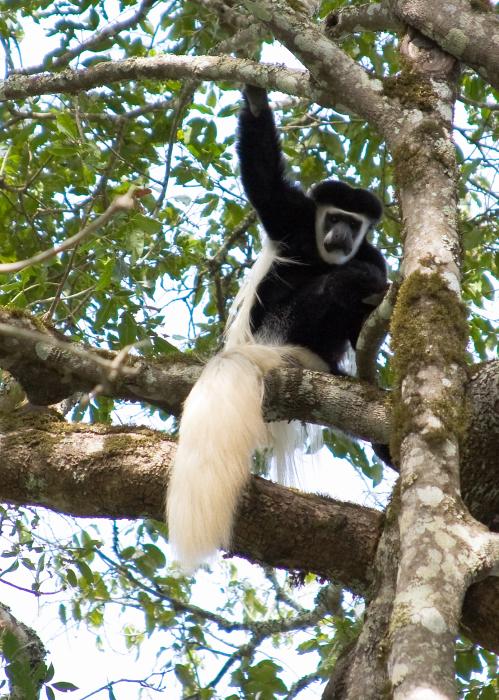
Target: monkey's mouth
point(333, 242)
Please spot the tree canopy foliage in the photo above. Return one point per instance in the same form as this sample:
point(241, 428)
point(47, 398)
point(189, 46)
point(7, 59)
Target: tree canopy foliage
point(102, 96)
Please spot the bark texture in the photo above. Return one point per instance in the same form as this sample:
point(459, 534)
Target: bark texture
point(373, 17)
point(99, 471)
point(49, 373)
point(349, 680)
point(480, 462)
point(442, 549)
point(198, 68)
point(470, 34)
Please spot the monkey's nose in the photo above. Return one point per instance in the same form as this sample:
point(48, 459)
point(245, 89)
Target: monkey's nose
point(338, 239)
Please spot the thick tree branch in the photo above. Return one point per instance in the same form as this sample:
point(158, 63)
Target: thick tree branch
point(269, 76)
point(372, 336)
point(349, 679)
point(348, 87)
point(340, 402)
point(332, 69)
point(471, 35)
point(480, 463)
point(372, 17)
point(429, 336)
point(99, 471)
point(479, 609)
point(50, 372)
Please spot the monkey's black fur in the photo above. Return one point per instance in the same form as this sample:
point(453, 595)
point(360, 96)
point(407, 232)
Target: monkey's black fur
point(304, 299)
point(308, 292)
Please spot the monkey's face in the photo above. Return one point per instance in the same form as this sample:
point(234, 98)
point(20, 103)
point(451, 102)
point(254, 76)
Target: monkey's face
point(339, 234)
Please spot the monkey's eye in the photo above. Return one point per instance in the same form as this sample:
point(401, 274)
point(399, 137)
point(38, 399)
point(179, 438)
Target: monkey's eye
point(330, 220)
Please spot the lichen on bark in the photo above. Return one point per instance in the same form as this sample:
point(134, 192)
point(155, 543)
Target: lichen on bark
point(428, 327)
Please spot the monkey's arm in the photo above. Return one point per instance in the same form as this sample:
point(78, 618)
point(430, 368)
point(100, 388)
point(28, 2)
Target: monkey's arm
point(331, 308)
point(352, 287)
point(282, 206)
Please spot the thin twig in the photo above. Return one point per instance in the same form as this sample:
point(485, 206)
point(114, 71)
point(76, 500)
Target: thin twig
point(123, 202)
point(55, 301)
point(480, 105)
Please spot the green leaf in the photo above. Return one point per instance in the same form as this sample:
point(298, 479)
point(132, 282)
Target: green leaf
point(64, 686)
point(85, 571)
point(148, 224)
point(10, 644)
point(129, 553)
point(488, 693)
point(66, 125)
point(135, 243)
point(156, 554)
point(62, 613)
point(127, 329)
point(71, 578)
point(183, 674)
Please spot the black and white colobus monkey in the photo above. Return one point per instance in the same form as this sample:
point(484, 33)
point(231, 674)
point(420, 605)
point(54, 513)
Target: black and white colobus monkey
point(304, 301)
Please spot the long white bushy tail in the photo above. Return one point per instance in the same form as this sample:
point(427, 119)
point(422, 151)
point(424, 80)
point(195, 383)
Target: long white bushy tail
point(290, 442)
point(221, 426)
